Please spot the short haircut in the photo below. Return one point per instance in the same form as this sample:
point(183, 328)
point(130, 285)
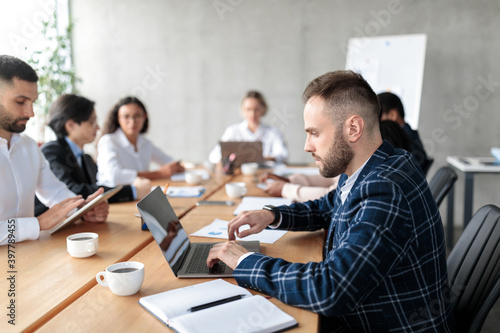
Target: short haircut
point(112, 124)
point(395, 134)
point(66, 107)
point(11, 67)
point(258, 96)
point(346, 93)
point(389, 101)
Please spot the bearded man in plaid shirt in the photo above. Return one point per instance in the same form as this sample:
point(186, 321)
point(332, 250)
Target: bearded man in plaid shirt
point(384, 267)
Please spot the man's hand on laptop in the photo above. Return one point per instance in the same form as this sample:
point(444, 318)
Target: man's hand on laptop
point(100, 212)
point(258, 220)
point(228, 252)
point(58, 212)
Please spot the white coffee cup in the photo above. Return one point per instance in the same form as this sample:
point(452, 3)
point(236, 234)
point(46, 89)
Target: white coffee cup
point(249, 169)
point(123, 278)
point(193, 178)
point(236, 189)
point(82, 245)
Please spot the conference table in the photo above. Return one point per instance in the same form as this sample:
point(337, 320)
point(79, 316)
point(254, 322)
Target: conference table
point(58, 293)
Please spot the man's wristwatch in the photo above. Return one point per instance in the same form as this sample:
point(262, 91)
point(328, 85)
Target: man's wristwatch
point(276, 212)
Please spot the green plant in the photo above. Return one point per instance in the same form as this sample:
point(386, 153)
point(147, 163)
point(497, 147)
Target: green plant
point(53, 64)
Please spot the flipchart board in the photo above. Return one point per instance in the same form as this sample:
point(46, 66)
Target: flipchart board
point(394, 64)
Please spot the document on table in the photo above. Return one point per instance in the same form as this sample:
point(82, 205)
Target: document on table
point(218, 229)
point(183, 191)
point(284, 171)
point(256, 203)
point(181, 177)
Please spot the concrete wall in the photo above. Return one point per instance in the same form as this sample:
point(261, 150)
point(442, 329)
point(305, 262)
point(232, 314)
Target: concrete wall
point(191, 61)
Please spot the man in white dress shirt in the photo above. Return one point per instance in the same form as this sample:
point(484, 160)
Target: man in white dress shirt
point(23, 168)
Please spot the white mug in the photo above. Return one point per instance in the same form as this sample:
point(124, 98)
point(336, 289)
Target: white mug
point(249, 169)
point(82, 245)
point(236, 189)
point(123, 278)
point(193, 177)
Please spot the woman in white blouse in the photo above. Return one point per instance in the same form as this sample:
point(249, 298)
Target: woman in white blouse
point(124, 153)
point(253, 108)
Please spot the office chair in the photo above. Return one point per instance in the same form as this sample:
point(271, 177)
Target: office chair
point(441, 183)
point(474, 270)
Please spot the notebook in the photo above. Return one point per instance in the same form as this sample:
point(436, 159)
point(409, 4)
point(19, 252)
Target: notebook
point(186, 259)
point(246, 151)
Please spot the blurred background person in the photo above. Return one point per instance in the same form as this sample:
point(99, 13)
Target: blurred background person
point(253, 108)
point(124, 153)
point(392, 109)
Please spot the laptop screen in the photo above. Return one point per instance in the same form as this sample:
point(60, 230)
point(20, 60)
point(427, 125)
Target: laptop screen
point(245, 151)
point(165, 227)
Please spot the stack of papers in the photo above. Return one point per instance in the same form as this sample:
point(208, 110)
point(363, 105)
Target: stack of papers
point(256, 203)
point(218, 229)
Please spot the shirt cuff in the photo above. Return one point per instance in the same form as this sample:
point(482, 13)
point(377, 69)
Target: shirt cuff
point(240, 259)
point(134, 192)
point(28, 229)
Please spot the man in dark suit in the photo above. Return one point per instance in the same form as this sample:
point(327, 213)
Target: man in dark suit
point(73, 120)
point(392, 109)
point(384, 267)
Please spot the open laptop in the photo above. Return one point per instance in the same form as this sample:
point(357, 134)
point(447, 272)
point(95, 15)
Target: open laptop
point(186, 259)
point(246, 151)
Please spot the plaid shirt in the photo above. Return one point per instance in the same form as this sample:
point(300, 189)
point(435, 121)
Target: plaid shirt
point(385, 262)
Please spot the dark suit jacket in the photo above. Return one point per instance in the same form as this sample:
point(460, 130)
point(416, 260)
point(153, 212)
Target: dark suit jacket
point(417, 148)
point(80, 180)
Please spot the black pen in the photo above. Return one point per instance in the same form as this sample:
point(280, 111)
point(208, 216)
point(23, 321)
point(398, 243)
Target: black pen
point(219, 302)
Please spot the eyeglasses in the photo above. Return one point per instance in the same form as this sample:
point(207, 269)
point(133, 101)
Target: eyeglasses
point(136, 117)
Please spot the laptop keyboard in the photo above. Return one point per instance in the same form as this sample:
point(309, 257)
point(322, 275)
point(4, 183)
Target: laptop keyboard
point(198, 263)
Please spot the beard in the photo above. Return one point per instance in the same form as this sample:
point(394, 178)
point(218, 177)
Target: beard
point(337, 158)
point(10, 124)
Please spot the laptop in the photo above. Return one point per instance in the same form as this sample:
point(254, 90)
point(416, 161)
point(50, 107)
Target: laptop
point(246, 151)
point(186, 259)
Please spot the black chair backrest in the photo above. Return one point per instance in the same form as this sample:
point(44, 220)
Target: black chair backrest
point(474, 268)
point(441, 183)
point(427, 164)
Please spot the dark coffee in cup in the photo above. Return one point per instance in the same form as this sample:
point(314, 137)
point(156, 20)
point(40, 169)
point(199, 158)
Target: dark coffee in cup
point(124, 270)
point(81, 238)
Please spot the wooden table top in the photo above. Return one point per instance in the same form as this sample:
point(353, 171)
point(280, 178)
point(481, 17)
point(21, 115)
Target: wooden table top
point(48, 278)
point(59, 293)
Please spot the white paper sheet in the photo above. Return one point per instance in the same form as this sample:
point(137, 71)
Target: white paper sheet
point(183, 191)
point(256, 203)
point(181, 177)
point(287, 171)
point(218, 229)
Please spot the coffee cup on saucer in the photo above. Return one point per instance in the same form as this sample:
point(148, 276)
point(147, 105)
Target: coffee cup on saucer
point(249, 169)
point(123, 278)
point(82, 245)
point(236, 189)
point(193, 177)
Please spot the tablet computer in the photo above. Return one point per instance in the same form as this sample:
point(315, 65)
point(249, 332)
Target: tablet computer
point(79, 213)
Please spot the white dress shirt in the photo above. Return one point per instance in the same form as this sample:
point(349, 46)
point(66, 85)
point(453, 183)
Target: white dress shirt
point(117, 161)
point(24, 171)
point(273, 144)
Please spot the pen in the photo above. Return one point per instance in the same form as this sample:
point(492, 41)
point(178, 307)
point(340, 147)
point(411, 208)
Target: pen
point(219, 302)
point(166, 187)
